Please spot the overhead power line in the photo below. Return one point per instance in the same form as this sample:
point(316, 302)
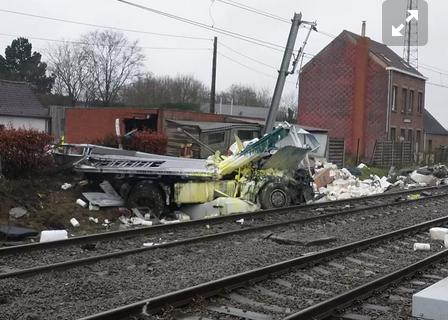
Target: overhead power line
point(259, 42)
point(437, 85)
point(246, 66)
point(254, 10)
point(262, 63)
point(326, 34)
point(434, 69)
point(80, 42)
point(101, 26)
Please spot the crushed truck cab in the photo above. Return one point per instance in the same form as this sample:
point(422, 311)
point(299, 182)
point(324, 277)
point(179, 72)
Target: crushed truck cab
point(259, 173)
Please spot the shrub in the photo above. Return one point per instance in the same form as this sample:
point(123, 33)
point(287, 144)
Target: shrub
point(144, 141)
point(22, 152)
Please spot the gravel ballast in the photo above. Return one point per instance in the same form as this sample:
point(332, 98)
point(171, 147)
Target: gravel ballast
point(51, 256)
point(306, 287)
point(112, 283)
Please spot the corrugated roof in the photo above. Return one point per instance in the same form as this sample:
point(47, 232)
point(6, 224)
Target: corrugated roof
point(17, 99)
point(245, 111)
point(212, 126)
point(277, 123)
point(387, 55)
point(431, 125)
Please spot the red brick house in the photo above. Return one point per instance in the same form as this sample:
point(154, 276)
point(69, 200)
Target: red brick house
point(362, 91)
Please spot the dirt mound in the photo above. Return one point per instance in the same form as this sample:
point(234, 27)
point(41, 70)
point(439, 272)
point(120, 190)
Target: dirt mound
point(48, 206)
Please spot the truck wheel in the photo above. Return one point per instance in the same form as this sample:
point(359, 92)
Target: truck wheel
point(147, 195)
point(274, 195)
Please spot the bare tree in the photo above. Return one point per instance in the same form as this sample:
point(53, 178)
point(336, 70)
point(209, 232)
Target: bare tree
point(165, 89)
point(69, 64)
point(289, 107)
point(245, 95)
point(113, 62)
point(264, 97)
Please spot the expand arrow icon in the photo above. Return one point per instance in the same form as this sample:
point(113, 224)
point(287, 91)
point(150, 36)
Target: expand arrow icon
point(413, 14)
point(396, 31)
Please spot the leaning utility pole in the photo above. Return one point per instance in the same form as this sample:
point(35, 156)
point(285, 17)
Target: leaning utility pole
point(283, 73)
point(213, 91)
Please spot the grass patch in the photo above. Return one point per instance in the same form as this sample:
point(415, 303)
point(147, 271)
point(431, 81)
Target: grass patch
point(380, 172)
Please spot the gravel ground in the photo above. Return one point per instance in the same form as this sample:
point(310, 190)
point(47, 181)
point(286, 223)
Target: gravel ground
point(399, 298)
point(39, 258)
point(111, 283)
point(310, 286)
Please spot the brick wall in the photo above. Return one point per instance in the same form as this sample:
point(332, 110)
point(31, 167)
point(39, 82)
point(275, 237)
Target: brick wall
point(399, 119)
point(82, 125)
point(166, 114)
point(327, 91)
point(437, 141)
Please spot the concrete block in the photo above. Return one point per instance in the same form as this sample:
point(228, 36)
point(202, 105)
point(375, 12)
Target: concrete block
point(432, 302)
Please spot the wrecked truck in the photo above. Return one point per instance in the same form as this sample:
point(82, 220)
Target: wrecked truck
point(258, 173)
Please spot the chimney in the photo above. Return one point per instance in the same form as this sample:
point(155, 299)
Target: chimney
point(363, 32)
point(360, 93)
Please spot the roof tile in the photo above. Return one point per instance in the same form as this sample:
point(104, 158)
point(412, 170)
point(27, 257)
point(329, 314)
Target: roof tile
point(432, 126)
point(387, 55)
point(17, 99)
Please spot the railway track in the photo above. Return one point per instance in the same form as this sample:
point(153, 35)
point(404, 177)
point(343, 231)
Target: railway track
point(16, 265)
point(78, 287)
point(314, 286)
point(394, 301)
point(282, 214)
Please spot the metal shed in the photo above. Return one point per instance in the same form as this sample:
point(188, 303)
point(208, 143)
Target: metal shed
point(217, 135)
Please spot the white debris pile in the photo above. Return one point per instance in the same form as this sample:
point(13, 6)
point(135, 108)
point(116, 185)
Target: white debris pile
point(429, 175)
point(339, 184)
point(331, 183)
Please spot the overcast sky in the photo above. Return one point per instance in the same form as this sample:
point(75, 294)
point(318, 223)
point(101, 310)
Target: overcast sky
point(332, 17)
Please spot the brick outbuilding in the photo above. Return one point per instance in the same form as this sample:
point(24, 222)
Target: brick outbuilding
point(362, 91)
point(436, 136)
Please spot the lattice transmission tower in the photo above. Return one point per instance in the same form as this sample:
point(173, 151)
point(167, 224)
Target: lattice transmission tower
point(410, 50)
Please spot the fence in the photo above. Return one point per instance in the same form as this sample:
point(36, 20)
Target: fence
point(388, 153)
point(440, 155)
point(336, 151)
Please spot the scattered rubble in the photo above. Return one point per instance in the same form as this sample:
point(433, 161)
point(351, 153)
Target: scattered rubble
point(93, 219)
point(422, 247)
point(332, 183)
point(67, 186)
point(438, 233)
point(53, 235)
point(16, 213)
point(74, 222)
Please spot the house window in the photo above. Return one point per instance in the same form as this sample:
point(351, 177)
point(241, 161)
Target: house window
point(404, 100)
point(394, 98)
point(245, 135)
point(392, 134)
point(411, 101)
point(420, 103)
point(429, 145)
point(403, 134)
point(216, 138)
point(410, 134)
point(417, 139)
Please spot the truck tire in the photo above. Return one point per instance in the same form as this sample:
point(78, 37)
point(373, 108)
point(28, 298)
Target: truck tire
point(147, 195)
point(274, 195)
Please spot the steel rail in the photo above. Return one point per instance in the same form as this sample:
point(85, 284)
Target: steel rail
point(212, 288)
point(115, 235)
point(326, 308)
point(86, 261)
